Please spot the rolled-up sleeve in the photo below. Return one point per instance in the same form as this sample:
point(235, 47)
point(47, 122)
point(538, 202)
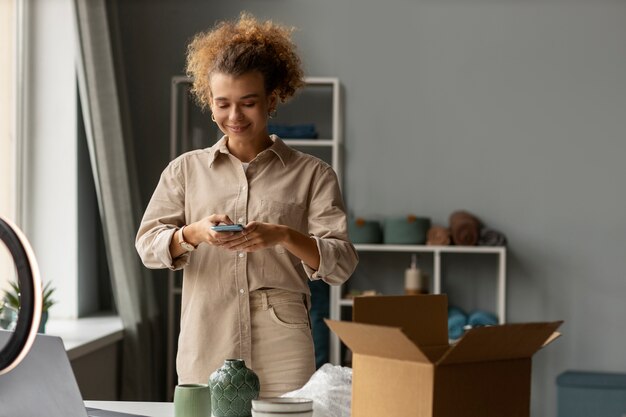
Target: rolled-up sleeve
point(328, 226)
point(164, 215)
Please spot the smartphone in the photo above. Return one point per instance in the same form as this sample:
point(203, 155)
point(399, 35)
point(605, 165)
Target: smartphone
point(228, 228)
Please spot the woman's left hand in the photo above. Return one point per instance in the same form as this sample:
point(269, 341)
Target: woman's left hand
point(257, 236)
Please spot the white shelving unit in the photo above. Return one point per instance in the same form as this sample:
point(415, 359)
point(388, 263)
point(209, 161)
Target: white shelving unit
point(335, 141)
point(326, 91)
point(337, 302)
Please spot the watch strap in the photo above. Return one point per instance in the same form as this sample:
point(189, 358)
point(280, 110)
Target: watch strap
point(181, 241)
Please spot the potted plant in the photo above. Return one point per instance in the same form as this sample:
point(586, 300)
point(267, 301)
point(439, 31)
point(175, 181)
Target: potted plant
point(12, 300)
point(8, 316)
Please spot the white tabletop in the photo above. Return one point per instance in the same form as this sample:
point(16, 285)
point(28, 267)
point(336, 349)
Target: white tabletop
point(151, 409)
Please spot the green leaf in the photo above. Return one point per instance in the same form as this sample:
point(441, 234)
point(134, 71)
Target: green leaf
point(12, 297)
point(48, 290)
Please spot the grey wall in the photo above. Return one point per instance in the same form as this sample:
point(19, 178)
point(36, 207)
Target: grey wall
point(514, 110)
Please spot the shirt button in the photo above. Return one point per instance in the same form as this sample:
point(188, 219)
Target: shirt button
point(241, 254)
point(241, 291)
point(240, 220)
point(244, 188)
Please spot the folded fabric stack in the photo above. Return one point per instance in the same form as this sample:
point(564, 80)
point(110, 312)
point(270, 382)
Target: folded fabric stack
point(464, 228)
point(491, 237)
point(438, 236)
point(300, 131)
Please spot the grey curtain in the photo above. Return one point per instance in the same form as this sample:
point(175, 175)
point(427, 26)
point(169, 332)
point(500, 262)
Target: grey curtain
point(108, 133)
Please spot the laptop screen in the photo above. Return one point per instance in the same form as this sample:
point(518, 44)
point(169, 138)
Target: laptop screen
point(43, 384)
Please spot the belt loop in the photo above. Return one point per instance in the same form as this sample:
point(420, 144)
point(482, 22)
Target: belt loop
point(306, 298)
point(264, 300)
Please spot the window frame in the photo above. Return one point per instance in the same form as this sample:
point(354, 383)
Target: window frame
point(9, 138)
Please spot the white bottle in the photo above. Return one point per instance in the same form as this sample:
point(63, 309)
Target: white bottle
point(414, 280)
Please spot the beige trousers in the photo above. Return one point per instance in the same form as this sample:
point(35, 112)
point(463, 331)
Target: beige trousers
point(282, 345)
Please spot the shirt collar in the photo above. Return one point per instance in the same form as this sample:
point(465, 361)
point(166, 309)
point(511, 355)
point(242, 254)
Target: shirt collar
point(279, 148)
point(218, 148)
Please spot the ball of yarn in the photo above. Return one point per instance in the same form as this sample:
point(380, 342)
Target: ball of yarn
point(464, 228)
point(438, 236)
point(480, 318)
point(457, 319)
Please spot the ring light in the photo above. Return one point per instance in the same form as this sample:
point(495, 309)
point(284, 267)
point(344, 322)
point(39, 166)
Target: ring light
point(30, 296)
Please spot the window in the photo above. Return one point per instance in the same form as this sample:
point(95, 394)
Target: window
point(7, 129)
point(46, 186)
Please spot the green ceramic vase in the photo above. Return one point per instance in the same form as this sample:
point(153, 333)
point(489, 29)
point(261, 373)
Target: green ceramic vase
point(233, 387)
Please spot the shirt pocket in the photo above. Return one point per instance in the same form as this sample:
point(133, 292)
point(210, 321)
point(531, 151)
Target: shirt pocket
point(287, 214)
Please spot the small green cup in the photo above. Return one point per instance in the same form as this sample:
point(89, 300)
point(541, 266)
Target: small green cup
point(192, 400)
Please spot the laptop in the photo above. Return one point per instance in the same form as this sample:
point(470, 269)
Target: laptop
point(44, 384)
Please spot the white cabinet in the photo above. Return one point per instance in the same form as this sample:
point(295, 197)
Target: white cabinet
point(319, 102)
point(337, 303)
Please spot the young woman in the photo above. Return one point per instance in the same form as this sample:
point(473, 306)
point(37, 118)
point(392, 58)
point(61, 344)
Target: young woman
point(245, 294)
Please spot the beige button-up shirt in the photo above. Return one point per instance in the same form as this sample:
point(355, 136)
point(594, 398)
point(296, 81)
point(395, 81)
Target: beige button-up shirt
point(281, 186)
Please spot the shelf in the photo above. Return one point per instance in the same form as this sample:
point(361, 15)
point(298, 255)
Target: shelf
point(346, 302)
point(309, 142)
point(428, 248)
point(322, 81)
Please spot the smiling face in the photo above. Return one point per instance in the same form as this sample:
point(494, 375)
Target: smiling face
point(241, 105)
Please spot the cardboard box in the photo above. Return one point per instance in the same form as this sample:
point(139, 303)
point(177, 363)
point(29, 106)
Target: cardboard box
point(403, 365)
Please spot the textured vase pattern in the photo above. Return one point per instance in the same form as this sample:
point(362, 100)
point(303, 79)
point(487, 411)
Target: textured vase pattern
point(233, 387)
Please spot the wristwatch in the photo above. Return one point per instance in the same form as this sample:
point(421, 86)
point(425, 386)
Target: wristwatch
point(181, 241)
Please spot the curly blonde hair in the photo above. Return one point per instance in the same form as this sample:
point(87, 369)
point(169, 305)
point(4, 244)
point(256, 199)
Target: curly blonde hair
point(238, 47)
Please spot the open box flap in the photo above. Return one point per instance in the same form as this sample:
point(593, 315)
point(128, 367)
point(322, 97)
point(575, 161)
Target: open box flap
point(381, 341)
point(552, 338)
point(508, 341)
point(423, 318)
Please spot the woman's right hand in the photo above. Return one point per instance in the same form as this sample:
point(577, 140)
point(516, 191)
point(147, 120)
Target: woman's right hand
point(200, 231)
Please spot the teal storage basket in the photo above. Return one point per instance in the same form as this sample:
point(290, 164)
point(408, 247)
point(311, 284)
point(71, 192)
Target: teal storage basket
point(364, 231)
point(408, 230)
point(591, 394)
